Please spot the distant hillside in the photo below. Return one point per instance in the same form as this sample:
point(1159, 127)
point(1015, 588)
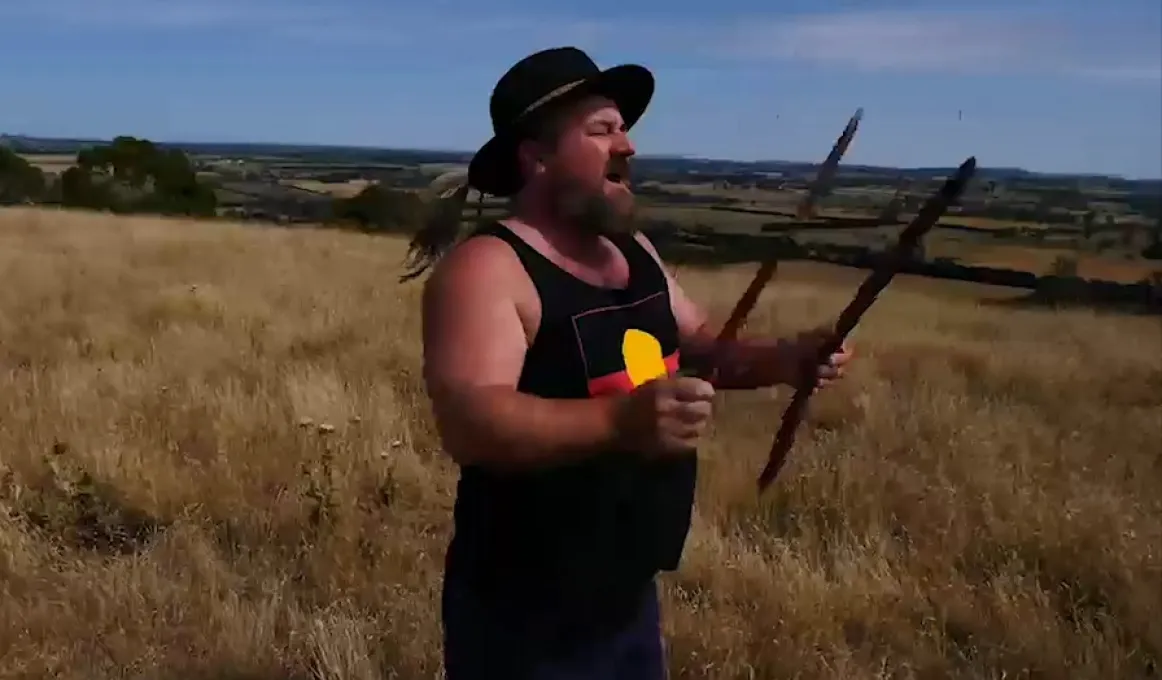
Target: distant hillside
point(658, 164)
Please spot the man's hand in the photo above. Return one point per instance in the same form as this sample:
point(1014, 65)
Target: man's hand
point(804, 350)
point(665, 417)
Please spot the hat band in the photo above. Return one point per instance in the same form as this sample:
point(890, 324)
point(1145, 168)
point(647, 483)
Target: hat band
point(549, 97)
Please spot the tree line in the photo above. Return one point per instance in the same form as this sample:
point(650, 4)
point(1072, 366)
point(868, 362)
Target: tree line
point(128, 175)
point(131, 175)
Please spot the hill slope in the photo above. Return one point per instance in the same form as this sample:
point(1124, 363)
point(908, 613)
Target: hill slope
point(980, 497)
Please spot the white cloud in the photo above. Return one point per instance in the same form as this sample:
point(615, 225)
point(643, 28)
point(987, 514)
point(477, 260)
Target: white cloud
point(884, 41)
point(1016, 41)
point(303, 21)
point(966, 41)
point(1124, 74)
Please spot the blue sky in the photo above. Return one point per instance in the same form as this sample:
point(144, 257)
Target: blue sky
point(1050, 85)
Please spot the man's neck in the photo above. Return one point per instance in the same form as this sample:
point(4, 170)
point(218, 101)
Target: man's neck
point(563, 236)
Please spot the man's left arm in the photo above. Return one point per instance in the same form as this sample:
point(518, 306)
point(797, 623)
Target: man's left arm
point(745, 363)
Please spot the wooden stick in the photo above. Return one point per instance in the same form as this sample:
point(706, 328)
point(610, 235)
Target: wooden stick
point(928, 216)
point(766, 271)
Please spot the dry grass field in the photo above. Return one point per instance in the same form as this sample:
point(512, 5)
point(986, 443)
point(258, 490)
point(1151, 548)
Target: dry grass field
point(52, 162)
point(218, 463)
point(1040, 261)
point(719, 220)
point(336, 189)
point(990, 223)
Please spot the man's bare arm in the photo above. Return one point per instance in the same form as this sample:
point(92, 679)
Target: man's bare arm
point(744, 364)
point(474, 348)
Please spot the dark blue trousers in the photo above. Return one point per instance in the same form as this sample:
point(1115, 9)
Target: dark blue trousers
point(486, 639)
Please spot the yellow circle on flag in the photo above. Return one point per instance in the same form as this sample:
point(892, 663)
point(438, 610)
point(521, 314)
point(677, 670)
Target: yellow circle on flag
point(643, 357)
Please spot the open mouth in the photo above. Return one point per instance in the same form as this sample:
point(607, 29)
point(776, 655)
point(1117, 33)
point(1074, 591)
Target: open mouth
point(615, 177)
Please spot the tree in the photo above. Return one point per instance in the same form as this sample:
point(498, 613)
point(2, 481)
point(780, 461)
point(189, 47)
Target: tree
point(77, 189)
point(1154, 250)
point(135, 175)
point(1087, 219)
point(20, 181)
point(380, 208)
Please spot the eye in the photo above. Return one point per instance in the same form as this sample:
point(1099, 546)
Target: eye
point(607, 128)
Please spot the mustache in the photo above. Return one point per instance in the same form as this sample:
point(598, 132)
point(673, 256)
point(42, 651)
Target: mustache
point(619, 167)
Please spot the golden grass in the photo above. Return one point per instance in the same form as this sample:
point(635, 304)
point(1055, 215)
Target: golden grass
point(980, 499)
point(761, 196)
point(989, 223)
point(719, 220)
point(336, 189)
point(1040, 261)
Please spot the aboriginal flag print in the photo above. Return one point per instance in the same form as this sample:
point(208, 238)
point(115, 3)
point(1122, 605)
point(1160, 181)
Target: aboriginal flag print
point(627, 345)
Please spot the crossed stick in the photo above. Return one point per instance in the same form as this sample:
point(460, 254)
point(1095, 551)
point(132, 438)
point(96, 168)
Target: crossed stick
point(928, 216)
point(817, 189)
point(871, 287)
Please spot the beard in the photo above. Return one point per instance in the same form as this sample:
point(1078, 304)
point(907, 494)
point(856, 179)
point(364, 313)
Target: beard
point(592, 210)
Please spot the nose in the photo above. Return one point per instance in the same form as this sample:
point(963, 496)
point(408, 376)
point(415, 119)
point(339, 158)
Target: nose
point(622, 146)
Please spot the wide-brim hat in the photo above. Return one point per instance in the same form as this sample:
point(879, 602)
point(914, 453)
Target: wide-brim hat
point(536, 85)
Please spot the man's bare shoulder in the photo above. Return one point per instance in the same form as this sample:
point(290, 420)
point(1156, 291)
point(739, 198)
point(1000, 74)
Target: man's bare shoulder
point(690, 316)
point(476, 316)
point(482, 265)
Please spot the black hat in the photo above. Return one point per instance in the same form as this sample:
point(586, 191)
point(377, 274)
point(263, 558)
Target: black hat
point(529, 87)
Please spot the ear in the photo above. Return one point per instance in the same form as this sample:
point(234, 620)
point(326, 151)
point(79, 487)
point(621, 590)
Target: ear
point(530, 157)
point(534, 155)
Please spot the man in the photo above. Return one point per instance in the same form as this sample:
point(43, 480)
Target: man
point(553, 342)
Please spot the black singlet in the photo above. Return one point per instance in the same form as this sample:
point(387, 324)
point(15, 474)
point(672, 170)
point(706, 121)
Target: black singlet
point(580, 534)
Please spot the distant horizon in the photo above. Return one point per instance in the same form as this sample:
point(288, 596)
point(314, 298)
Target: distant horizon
point(680, 156)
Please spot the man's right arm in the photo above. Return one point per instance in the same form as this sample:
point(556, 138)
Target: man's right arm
point(474, 349)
